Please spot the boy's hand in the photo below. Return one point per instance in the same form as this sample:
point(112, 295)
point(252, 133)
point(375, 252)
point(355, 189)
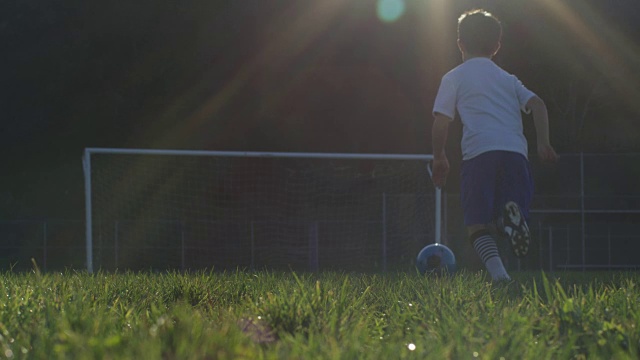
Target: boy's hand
point(440, 171)
point(547, 153)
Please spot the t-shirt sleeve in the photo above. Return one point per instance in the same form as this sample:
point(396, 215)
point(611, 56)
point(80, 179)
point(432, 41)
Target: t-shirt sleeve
point(445, 102)
point(523, 94)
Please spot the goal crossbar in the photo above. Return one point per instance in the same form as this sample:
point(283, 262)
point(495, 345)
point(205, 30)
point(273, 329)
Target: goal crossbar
point(308, 155)
point(246, 154)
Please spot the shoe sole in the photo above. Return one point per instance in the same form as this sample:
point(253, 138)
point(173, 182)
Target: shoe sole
point(515, 229)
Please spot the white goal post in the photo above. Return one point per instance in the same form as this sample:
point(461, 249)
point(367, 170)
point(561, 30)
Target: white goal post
point(184, 209)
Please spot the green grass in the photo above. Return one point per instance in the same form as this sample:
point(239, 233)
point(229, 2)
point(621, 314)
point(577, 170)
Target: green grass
point(279, 315)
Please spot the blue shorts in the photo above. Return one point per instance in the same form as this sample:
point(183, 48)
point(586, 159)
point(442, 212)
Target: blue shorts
point(490, 180)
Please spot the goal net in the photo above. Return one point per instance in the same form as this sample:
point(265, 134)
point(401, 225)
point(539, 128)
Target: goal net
point(165, 209)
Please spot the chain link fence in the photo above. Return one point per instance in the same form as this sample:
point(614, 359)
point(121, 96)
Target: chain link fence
point(586, 213)
point(585, 216)
point(52, 244)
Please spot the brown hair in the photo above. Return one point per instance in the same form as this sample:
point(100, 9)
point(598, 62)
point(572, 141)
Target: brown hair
point(479, 31)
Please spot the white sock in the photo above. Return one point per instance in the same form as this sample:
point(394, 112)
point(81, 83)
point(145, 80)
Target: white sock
point(496, 269)
point(487, 249)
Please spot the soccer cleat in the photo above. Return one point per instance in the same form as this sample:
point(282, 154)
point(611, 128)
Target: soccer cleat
point(514, 228)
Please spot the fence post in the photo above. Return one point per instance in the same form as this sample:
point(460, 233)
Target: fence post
point(115, 244)
point(86, 167)
point(253, 247)
point(568, 259)
point(609, 244)
point(182, 245)
point(44, 245)
point(384, 232)
point(313, 247)
point(582, 218)
point(550, 249)
point(540, 245)
point(443, 227)
point(438, 224)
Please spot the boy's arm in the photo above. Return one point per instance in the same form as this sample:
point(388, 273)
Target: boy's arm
point(541, 122)
point(439, 133)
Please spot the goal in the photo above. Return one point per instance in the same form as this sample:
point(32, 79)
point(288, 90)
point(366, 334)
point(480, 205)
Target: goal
point(180, 209)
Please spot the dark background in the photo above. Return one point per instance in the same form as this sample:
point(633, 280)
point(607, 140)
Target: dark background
point(282, 75)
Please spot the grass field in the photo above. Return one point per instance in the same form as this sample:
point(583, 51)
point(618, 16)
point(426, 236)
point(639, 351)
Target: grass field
point(276, 315)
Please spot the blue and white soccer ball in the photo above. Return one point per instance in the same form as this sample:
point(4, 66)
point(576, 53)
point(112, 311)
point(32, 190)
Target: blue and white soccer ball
point(436, 259)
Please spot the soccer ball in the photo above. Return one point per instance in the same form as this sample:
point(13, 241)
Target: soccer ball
point(436, 259)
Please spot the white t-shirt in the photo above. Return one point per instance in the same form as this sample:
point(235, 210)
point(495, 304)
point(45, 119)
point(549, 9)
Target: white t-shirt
point(489, 101)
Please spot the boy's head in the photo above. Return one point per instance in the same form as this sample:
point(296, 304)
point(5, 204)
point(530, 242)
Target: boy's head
point(479, 33)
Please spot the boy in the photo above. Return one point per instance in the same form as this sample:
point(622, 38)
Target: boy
point(496, 182)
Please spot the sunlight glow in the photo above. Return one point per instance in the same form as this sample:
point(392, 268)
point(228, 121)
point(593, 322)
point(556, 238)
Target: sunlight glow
point(438, 34)
point(287, 37)
point(390, 10)
point(613, 54)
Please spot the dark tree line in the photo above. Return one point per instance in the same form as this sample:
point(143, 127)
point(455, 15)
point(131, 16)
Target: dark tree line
point(281, 75)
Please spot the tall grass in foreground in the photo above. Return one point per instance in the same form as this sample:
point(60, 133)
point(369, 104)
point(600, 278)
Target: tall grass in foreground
point(274, 315)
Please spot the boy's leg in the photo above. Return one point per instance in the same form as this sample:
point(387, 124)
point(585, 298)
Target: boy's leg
point(478, 183)
point(514, 193)
point(485, 246)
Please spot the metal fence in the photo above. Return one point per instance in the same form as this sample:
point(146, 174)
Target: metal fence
point(585, 215)
point(587, 211)
point(52, 244)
